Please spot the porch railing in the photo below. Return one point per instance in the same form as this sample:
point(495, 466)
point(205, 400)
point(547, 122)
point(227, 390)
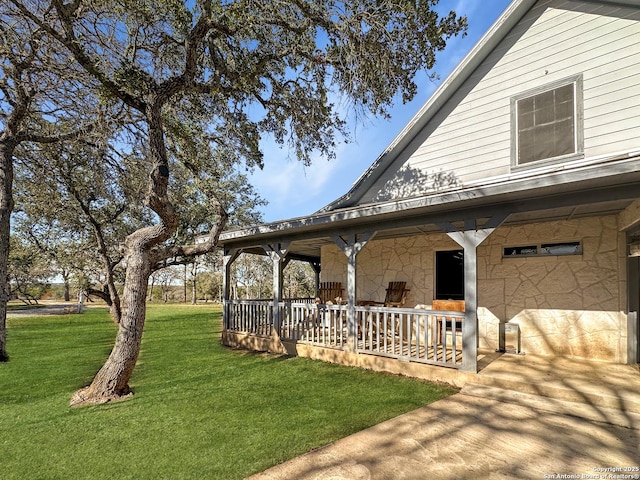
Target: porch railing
point(425, 336)
point(417, 335)
point(323, 325)
point(254, 316)
point(248, 316)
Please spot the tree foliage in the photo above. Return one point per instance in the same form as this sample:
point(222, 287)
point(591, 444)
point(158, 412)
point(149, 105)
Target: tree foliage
point(38, 104)
point(199, 83)
point(29, 272)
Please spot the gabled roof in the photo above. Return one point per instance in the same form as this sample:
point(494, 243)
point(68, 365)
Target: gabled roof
point(598, 185)
point(498, 31)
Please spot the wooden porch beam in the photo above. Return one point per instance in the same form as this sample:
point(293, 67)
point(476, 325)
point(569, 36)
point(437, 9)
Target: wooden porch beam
point(351, 246)
point(229, 256)
point(317, 268)
point(278, 254)
point(313, 261)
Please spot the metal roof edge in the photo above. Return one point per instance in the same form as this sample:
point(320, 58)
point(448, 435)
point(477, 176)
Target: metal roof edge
point(596, 172)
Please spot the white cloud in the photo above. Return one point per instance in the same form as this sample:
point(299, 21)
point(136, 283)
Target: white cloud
point(291, 188)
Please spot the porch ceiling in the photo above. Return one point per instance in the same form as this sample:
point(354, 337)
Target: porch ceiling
point(595, 190)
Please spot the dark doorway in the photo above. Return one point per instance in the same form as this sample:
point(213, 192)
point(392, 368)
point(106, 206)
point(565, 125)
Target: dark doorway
point(450, 275)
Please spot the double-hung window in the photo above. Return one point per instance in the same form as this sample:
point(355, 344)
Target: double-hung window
point(546, 123)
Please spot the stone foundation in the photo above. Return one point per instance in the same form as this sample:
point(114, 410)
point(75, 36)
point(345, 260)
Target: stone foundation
point(376, 363)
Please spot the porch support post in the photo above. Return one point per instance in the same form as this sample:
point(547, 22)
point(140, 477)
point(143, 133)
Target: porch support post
point(277, 253)
point(633, 302)
point(228, 258)
point(351, 246)
point(469, 238)
point(317, 268)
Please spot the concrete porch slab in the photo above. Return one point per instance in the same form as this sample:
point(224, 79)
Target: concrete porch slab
point(469, 437)
point(523, 417)
point(601, 384)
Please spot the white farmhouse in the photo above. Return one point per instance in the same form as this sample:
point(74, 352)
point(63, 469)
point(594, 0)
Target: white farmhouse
point(509, 205)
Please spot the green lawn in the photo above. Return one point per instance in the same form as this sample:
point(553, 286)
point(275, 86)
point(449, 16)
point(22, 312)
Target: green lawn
point(200, 410)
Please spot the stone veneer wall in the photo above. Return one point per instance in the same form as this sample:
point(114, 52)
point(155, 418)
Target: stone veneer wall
point(410, 259)
point(570, 305)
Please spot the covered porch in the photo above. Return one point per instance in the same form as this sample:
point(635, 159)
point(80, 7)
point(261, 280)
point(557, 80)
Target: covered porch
point(366, 247)
point(407, 334)
point(359, 321)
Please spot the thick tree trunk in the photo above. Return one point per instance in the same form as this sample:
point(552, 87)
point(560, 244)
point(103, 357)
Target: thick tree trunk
point(112, 381)
point(6, 207)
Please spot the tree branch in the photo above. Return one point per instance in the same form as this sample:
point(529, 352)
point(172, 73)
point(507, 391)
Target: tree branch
point(183, 254)
point(48, 139)
point(71, 42)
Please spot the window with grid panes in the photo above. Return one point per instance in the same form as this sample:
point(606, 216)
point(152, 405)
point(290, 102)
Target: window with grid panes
point(547, 123)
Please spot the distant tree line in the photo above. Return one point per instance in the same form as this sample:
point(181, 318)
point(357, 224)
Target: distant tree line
point(127, 127)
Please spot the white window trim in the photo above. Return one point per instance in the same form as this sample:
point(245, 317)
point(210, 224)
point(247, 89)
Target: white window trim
point(578, 105)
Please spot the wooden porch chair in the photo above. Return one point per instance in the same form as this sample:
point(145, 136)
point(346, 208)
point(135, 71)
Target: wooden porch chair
point(396, 296)
point(330, 292)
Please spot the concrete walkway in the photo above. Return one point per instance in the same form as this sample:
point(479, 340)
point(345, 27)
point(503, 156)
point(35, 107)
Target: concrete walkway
point(524, 417)
point(44, 308)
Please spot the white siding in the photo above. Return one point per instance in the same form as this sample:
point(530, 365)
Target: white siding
point(470, 135)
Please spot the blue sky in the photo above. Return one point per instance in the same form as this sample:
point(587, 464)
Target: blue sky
point(294, 190)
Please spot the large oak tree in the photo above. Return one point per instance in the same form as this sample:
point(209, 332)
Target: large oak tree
point(251, 68)
point(77, 201)
point(38, 105)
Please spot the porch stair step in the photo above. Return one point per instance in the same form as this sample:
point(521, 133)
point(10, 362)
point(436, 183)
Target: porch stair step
point(600, 407)
point(609, 396)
